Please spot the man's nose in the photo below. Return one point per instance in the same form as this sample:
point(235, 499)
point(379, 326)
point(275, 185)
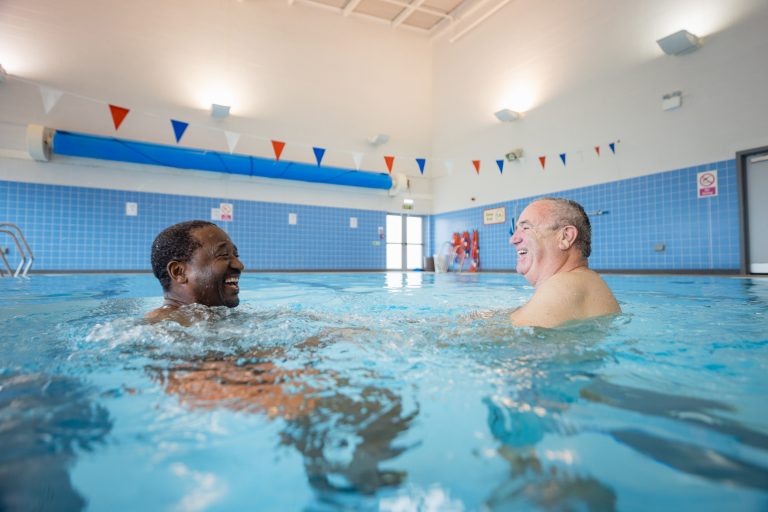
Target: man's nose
point(515, 239)
point(236, 263)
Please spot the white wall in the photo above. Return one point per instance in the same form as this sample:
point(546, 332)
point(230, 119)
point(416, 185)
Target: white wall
point(291, 73)
point(589, 73)
point(586, 72)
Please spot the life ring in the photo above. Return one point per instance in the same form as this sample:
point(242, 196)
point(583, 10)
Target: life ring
point(474, 262)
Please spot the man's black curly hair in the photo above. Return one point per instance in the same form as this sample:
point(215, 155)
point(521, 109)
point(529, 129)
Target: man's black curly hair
point(174, 243)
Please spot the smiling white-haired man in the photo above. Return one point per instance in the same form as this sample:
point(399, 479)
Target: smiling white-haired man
point(553, 242)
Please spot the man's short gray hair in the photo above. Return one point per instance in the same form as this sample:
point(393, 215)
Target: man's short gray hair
point(570, 213)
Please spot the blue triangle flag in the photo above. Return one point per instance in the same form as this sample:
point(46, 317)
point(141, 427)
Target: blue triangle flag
point(421, 163)
point(562, 157)
point(179, 127)
point(500, 163)
point(319, 152)
point(612, 145)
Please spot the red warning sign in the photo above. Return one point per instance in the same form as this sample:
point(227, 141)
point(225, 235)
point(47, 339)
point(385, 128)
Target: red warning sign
point(706, 183)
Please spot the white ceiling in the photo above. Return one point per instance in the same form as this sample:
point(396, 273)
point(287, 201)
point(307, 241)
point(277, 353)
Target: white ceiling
point(333, 72)
point(430, 17)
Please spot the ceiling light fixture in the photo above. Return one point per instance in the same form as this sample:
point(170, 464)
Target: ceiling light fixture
point(672, 100)
point(679, 43)
point(506, 116)
point(378, 139)
point(219, 111)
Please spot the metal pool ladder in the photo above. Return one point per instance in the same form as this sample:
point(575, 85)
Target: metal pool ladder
point(25, 252)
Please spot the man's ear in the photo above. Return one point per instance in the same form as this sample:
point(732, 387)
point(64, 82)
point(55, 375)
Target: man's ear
point(568, 237)
point(176, 270)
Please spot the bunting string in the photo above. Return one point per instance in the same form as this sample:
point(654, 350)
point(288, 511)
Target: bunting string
point(51, 96)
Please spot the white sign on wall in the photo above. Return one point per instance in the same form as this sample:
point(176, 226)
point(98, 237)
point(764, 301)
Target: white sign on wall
point(293, 219)
point(132, 209)
point(495, 215)
point(227, 211)
point(215, 213)
point(706, 183)
point(353, 222)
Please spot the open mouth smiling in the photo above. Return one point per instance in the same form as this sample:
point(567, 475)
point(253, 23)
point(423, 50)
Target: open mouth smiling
point(233, 282)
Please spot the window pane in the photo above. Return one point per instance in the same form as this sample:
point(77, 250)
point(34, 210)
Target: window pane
point(394, 229)
point(394, 256)
point(413, 230)
point(413, 255)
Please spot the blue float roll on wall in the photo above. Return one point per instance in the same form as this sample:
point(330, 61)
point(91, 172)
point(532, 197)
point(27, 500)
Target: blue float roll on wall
point(110, 148)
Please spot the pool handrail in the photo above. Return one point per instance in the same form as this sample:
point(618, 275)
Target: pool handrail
point(7, 266)
point(27, 257)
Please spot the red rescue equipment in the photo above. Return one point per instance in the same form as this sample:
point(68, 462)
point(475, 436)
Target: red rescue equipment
point(474, 262)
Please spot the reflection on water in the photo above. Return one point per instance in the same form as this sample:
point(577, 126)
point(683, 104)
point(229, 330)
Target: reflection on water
point(384, 392)
point(701, 415)
point(44, 421)
point(344, 429)
point(541, 378)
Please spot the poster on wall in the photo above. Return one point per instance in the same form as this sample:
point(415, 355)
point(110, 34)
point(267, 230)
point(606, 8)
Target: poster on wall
point(495, 215)
point(706, 183)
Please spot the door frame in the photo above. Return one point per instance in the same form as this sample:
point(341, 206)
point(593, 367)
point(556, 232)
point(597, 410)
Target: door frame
point(741, 181)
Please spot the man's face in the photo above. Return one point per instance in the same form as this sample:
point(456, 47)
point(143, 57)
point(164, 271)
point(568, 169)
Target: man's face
point(536, 242)
point(213, 272)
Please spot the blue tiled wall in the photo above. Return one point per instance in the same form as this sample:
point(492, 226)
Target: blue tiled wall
point(654, 209)
point(75, 228)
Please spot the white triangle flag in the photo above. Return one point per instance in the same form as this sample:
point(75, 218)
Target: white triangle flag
point(358, 158)
point(232, 139)
point(50, 97)
point(449, 167)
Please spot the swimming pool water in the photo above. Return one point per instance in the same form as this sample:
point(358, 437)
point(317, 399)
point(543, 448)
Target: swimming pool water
point(382, 391)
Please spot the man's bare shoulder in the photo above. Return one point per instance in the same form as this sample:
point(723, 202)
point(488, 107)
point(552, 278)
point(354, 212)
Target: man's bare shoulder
point(168, 313)
point(567, 296)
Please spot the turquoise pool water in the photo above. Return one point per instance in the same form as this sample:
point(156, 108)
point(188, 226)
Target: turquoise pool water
point(382, 391)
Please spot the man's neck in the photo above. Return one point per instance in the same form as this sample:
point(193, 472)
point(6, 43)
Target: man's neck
point(570, 264)
point(173, 300)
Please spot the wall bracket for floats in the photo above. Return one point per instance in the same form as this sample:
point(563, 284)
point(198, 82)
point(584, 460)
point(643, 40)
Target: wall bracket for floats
point(123, 150)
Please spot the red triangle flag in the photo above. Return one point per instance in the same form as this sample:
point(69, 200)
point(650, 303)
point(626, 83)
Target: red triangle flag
point(390, 160)
point(597, 150)
point(278, 147)
point(476, 163)
point(542, 160)
point(118, 114)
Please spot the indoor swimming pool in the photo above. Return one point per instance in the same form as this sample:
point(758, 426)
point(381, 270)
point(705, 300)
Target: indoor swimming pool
point(382, 391)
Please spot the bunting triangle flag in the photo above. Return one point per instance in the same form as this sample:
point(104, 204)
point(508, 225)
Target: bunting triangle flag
point(612, 145)
point(179, 127)
point(597, 150)
point(50, 97)
point(358, 159)
point(449, 167)
point(232, 139)
point(421, 162)
point(278, 146)
point(319, 152)
point(389, 160)
point(562, 157)
point(542, 161)
point(118, 114)
point(476, 163)
point(500, 163)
